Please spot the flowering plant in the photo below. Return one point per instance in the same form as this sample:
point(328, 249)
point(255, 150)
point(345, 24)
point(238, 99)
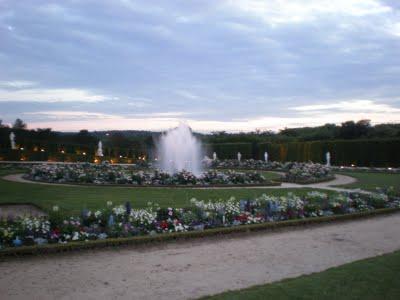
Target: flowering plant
point(125, 221)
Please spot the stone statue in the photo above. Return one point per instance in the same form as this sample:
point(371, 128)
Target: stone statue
point(266, 156)
point(328, 159)
point(12, 141)
point(214, 156)
point(239, 156)
point(100, 149)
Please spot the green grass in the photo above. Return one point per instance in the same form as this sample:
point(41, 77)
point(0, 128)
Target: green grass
point(370, 180)
point(73, 199)
point(374, 278)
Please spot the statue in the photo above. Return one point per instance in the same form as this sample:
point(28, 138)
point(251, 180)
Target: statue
point(266, 156)
point(100, 149)
point(12, 141)
point(328, 159)
point(239, 156)
point(214, 156)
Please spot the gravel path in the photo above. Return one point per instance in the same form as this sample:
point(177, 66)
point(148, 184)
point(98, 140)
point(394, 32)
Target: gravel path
point(13, 210)
point(196, 268)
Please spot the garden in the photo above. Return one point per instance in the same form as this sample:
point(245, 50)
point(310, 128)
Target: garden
point(125, 221)
point(105, 173)
point(95, 212)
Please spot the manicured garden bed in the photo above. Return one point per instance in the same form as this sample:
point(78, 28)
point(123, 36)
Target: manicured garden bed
point(106, 174)
point(122, 224)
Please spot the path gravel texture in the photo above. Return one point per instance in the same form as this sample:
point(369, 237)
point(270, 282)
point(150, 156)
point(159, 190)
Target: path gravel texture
point(13, 210)
point(199, 267)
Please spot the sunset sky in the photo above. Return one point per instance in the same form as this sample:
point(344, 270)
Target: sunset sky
point(236, 65)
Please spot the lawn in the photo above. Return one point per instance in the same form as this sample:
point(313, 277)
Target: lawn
point(73, 199)
point(370, 180)
point(374, 278)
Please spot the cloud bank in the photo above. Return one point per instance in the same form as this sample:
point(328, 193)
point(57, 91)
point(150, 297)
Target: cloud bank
point(220, 65)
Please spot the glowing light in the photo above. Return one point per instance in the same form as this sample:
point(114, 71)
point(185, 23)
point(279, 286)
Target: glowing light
point(21, 148)
point(352, 165)
point(42, 150)
point(84, 153)
point(62, 151)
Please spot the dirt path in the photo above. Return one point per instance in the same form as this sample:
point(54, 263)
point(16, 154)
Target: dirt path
point(329, 185)
point(13, 210)
point(197, 268)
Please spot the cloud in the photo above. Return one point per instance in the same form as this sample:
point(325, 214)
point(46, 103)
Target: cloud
point(350, 106)
point(277, 12)
point(70, 115)
point(60, 120)
point(187, 94)
point(17, 84)
point(51, 95)
point(233, 63)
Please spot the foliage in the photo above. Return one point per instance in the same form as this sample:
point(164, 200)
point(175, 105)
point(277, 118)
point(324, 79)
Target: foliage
point(123, 174)
point(124, 221)
point(307, 173)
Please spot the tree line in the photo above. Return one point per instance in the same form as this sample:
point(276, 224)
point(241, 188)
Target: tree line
point(145, 140)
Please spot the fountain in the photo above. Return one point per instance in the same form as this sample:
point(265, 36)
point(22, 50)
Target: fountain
point(99, 151)
point(12, 141)
point(179, 150)
point(266, 156)
point(328, 159)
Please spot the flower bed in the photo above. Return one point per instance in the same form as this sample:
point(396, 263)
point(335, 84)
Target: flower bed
point(123, 221)
point(307, 173)
point(124, 175)
point(250, 164)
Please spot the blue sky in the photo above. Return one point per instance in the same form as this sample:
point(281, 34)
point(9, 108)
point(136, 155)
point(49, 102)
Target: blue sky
point(234, 65)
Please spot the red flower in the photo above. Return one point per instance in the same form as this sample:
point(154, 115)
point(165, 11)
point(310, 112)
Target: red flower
point(164, 225)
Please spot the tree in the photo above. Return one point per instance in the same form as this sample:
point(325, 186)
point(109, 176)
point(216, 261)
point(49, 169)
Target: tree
point(19, 124)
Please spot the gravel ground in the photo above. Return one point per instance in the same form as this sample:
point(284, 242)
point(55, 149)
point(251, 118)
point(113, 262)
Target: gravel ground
point(199, 267)
point(14, 210)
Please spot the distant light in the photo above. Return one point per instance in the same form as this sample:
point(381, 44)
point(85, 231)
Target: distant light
point(120, 156)
point(21, 148)
point(352, 165)
point(341, 167)
point(42, 150)
point(62, 151)
point(84, 153)
point(389, 168)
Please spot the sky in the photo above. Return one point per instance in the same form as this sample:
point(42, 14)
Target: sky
point(233, 65)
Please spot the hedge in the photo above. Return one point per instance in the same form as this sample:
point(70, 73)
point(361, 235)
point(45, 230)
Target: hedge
point(366, 153)
point(148, 239)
